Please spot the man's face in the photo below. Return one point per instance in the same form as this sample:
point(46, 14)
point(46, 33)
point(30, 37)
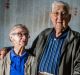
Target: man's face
point(60, 17)
point(19, 37)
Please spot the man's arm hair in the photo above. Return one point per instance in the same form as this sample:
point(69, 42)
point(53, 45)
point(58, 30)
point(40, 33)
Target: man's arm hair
point(4, 51)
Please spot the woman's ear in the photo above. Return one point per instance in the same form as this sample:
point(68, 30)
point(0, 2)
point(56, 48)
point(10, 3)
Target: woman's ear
point(10, 37)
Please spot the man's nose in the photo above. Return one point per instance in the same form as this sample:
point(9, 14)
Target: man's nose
point(60, 16)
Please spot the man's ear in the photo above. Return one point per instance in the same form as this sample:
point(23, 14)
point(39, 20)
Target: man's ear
point(69, 17)
point(50, 14)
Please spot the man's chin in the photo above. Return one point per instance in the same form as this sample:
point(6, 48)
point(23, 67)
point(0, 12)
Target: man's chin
point(58, 29)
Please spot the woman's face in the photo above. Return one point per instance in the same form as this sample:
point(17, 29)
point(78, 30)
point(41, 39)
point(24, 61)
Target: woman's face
point(19, 37)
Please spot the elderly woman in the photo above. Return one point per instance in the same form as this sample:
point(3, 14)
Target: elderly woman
point(57, 49)
point(17, 61)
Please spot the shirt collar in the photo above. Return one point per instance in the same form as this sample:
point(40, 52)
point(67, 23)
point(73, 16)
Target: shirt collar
point(13, 54)
point(64, 34)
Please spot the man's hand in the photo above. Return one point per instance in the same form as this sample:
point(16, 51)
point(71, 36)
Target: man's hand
point(2, 53)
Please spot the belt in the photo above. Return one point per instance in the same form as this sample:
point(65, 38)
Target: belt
point(44, 73)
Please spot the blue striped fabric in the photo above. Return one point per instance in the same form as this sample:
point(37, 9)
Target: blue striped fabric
point(49, 60)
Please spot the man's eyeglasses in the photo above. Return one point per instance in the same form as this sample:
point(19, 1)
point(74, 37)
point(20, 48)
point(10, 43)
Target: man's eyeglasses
point(21, 34)
point(63, 14)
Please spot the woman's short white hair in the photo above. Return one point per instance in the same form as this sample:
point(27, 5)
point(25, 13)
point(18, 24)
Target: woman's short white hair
point(15, 27)
point(66, 5)
point(18, 26)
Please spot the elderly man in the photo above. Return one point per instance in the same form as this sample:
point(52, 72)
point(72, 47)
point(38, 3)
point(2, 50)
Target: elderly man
point(17, 61)
point(57, 49)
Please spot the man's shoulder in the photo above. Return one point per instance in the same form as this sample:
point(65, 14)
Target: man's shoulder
point(46, 31)
point(75, 33)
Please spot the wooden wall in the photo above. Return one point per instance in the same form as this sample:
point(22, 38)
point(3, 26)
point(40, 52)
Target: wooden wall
point(34, 14)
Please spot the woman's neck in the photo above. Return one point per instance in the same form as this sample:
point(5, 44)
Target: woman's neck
point(19, 50)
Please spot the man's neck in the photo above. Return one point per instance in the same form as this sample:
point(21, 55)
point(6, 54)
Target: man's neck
point(58, 33)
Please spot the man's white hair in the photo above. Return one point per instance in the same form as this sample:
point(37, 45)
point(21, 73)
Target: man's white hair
point(66, 5)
